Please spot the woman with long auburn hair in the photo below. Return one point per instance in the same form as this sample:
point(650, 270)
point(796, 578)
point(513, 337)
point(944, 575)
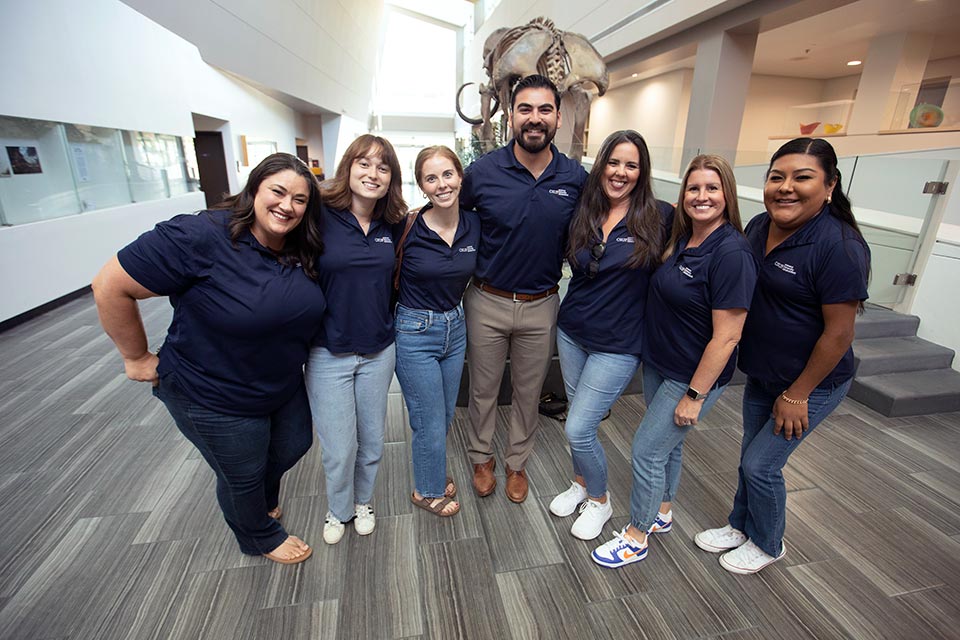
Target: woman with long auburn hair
point(617, 236)
point(352, 359)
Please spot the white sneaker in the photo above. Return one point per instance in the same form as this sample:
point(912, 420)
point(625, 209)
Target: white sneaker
point(749, 558)
point(332, 529)
point(593, 515)
point(568, 501)
point(363, 519)
point(720, 540)
point(663, 523)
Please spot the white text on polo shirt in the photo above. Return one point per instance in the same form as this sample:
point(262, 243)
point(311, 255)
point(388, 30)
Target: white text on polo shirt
point(559, 192)
point(685, 270)
point(785, 267)
point(627, 239)
point(384, 239)
point(467, 249)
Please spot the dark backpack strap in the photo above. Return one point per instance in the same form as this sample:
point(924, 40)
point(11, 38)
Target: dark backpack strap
point(411, 218)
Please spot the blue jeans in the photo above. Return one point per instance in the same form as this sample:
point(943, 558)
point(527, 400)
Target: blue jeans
point(348, 398)
point(430, 349)
point(658, 446)
point(593, 380)
point(249, 455)
point(760, 506)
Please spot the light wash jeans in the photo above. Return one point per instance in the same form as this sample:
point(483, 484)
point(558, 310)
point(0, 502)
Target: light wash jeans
point(658, 446)
point(593, 380)
point(760, 506)
point(430, 350)
point(348, 400)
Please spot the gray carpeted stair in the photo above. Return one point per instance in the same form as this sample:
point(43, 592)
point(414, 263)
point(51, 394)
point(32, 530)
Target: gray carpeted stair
point(899, 374)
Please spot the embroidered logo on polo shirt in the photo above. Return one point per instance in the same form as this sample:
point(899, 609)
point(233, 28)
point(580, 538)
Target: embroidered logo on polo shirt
point(467, 249)
point(788, 268)
point(626, 239)
point(559, 192)
point(384, 239)
point(685, 270)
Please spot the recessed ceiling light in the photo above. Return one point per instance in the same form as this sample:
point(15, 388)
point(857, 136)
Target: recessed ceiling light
point(634, 75)
point(854, 63)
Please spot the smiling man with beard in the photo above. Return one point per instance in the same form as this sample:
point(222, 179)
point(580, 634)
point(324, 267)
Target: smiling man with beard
point(524, 193)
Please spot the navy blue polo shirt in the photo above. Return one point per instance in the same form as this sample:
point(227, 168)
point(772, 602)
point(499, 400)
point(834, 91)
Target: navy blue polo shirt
point(524, 221)
point(242, 321)
point(433, 274)
point(719, 274)
point(606, 313)
point(824, 262)
point(356, 274)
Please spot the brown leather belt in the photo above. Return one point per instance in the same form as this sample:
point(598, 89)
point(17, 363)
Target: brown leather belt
point(516, 297)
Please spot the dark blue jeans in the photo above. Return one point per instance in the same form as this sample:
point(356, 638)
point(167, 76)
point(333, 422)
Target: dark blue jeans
point(249, 455)
point(760, 507)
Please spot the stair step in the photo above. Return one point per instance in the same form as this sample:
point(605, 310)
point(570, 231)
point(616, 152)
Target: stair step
point(889, 355)
point(882, 323)
point(909, 393)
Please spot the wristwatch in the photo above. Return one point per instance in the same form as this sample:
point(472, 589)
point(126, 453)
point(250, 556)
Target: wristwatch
point(693, 394)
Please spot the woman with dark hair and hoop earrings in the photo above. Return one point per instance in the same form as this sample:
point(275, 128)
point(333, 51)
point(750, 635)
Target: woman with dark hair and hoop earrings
point(617, 235)
point(437, 255)
point(246, 304)
point(351, 363)
point(814, 269)
point(696, 306)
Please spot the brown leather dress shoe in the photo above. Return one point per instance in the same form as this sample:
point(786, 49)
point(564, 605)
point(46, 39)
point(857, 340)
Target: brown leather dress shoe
point(483, 480)
point(517, 485)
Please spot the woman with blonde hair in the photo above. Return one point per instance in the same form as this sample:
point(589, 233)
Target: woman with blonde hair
point(352, 359)
point(696, 306)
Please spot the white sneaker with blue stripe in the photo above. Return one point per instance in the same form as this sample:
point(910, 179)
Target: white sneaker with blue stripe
point(620, 551)
point(663, 523)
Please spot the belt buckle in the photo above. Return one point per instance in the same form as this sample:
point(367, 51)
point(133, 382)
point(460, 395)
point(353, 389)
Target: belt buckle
point(515, 299)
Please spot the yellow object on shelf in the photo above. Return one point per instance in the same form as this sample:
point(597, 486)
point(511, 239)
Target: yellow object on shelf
point(832, 128)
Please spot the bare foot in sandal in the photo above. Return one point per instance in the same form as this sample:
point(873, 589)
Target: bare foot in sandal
point(442, 506)
point(451, 489)
point(291, 551)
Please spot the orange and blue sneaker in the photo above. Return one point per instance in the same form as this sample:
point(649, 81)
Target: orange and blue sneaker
point(620, 551)
point(663, 523)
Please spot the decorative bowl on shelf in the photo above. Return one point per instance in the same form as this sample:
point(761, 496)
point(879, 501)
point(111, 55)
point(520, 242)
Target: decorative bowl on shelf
point(926, 115)
point(832, 128)
point(807, 129)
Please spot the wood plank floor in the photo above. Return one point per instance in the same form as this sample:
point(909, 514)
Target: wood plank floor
point(110, 528)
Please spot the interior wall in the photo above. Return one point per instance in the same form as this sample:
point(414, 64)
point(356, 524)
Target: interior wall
point(769, 99)
point(102, 63)
point(653, 107)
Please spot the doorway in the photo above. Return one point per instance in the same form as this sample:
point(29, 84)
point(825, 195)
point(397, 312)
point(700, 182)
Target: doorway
point(212, 165)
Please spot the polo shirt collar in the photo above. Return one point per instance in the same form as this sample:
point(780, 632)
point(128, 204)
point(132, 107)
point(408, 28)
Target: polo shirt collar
point(807, 234)
point(508, 160)
point(710, 243)
point(424, 231)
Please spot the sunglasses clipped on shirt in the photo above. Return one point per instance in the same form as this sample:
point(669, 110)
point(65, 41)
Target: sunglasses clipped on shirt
point(593, 268)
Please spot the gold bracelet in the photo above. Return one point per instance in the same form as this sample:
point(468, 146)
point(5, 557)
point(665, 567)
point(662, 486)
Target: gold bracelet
point(783, 396)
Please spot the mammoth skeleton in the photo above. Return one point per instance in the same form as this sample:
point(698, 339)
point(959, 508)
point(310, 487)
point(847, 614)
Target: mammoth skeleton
point(568, 59)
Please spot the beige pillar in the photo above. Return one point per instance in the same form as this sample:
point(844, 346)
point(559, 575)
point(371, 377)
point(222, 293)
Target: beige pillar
point(895, 61)
point(721, 77)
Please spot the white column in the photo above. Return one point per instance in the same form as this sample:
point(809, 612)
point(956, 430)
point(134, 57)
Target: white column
point(894, 60)
point(721, 77)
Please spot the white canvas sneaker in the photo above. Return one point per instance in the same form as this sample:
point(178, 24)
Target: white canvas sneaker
point(720, 540)
point(332, 529)
point(749, 558)
point(593, 515)
point(568, 501)
point(363, 519)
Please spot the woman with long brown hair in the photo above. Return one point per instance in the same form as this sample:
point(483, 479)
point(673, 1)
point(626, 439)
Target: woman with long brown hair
point(352, 360)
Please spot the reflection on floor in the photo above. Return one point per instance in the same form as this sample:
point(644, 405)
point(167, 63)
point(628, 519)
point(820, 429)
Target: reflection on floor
point(111, 530)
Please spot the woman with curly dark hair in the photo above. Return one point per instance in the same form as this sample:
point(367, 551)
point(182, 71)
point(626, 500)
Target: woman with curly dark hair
point(242, 280)
point(353, 356)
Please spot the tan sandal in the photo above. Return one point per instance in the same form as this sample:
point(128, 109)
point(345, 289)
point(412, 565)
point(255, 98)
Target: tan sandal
point(435, 509)
point(295, 559)
point(448, 492)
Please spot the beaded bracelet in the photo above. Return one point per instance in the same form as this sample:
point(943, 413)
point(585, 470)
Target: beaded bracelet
point(783, 396)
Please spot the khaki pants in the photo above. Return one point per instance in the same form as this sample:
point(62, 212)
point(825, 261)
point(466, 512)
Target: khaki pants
point(526, 331)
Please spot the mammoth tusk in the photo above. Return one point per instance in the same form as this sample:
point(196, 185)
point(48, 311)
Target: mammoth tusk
point(496, 105)
point(473, 121)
